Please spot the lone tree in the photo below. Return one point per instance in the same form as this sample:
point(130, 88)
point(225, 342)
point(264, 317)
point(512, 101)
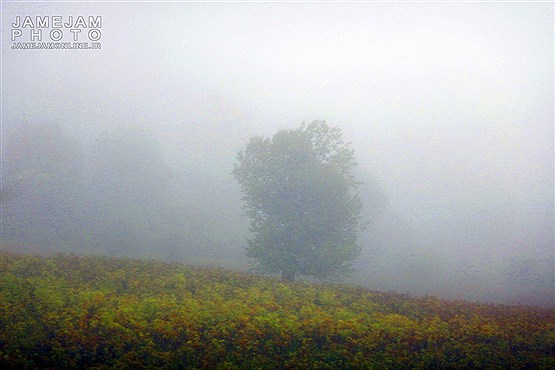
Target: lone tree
point(298, 192)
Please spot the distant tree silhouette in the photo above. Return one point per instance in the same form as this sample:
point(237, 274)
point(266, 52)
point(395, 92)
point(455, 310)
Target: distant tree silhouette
point(298, 193)
point(41, 166)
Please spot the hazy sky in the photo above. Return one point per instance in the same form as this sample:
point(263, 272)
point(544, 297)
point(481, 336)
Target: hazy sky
point(436, 97)
point(449, 106)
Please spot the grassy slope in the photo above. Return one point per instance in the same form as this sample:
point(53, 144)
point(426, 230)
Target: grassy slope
point(83, 312)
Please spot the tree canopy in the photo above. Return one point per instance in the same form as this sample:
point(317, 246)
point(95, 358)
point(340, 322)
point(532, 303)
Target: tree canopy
point(298, 188)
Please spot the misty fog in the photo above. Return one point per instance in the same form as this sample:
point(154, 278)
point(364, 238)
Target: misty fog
point(128, 150)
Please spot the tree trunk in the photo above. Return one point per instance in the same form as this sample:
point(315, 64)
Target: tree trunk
point(288, 276)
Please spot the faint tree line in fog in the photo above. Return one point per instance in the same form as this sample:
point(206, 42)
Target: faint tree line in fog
point(118, 196)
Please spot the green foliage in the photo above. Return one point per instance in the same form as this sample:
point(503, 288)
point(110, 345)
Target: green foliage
point(297, 189)
point(96, 312)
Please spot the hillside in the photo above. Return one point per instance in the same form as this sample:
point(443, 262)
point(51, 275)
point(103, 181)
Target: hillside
point(67, 311)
